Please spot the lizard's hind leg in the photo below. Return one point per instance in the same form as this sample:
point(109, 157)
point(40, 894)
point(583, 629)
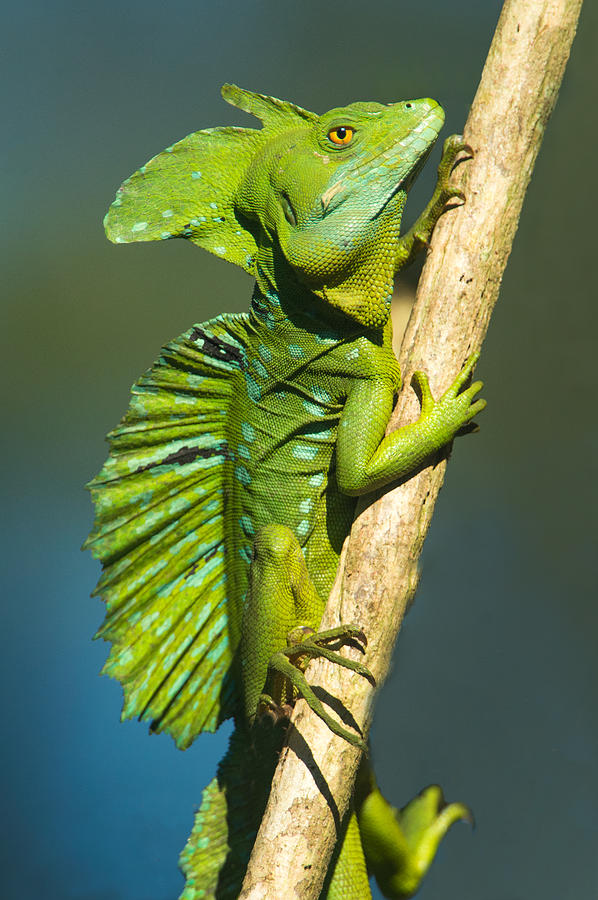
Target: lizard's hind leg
point(400, 844)
point(279, 632)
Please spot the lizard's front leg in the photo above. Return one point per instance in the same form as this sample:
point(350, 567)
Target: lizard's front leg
point(418, 236)
point(367, 459)
point(279, 631)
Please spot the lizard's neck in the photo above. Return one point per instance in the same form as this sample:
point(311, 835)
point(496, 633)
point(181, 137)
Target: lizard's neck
point(283, 303)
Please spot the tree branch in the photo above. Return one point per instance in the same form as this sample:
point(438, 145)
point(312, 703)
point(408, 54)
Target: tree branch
point(378, 572)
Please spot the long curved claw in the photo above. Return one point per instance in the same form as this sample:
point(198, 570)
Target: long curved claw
point(452, 147)
point(341, 636)
point(313, 651)
point(281, 664)
point(304, 645)
point(418, 236)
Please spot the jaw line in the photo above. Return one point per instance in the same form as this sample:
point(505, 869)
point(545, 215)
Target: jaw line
point(405, 183)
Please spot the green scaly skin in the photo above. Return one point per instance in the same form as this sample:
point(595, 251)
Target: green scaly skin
point(232, 479)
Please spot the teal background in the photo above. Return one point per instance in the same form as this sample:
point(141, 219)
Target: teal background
point(494, 687)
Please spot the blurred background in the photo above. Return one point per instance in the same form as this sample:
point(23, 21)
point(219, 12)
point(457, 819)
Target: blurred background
point(494, 688)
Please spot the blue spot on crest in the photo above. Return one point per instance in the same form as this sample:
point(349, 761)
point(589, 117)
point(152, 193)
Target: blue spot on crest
point(248, 431)
point(245, 553)
point(266, 315)
point(320, 394)
point(260, 368)
point(253, 388)
point(243, 451)
point(301, 451)
point(195, 174)
point(242, 475)
point(273, 298)
point(313, 409)
point(303, 528)
point(264, 352)
point(317, 480)
point(247, 526)
point(296, 351)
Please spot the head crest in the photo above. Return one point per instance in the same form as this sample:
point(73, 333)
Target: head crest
point(188, 190)
point(273, 113)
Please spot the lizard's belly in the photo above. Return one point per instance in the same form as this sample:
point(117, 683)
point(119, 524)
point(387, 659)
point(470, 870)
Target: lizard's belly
point(282, 470)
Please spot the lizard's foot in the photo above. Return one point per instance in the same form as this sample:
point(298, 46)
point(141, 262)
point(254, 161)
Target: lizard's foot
point(305, 644)
point(453, 146)
point(424, 821)
point(457, 406)
point(443, 192)
point(333, 639)
point(280, 599)
point(400, 845)
point(278, 712)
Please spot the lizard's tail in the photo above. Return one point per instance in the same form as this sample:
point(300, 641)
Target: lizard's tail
point(216, 855)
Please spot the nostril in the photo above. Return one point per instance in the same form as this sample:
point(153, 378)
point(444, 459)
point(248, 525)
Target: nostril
point(409, 106)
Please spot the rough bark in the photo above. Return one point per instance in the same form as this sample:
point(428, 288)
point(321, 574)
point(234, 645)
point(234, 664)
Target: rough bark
point(378, 572)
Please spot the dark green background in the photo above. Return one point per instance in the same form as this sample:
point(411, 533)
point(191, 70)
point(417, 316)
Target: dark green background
point(494, 689)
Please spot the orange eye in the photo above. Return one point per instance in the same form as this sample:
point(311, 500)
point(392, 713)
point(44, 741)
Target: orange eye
point(341, 135)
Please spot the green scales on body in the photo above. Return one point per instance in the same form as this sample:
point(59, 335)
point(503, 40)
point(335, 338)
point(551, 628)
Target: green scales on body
point(232, 479)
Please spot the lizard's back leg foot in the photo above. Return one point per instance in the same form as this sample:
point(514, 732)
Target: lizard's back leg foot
point(400, 845)
point(279, 636)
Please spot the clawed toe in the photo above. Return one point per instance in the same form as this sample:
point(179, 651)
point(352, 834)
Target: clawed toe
point(278, 712)
point(291, 662)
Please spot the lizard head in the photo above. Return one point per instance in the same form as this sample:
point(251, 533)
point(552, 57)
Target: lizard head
point(320, 195)
point(331, 191)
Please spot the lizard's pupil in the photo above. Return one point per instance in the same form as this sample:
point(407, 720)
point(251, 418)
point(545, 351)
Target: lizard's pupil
point(341, 133)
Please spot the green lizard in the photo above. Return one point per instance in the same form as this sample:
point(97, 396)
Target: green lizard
point(232, 479)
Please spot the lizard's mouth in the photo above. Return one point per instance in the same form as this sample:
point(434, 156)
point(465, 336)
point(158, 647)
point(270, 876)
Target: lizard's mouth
point(408, 180)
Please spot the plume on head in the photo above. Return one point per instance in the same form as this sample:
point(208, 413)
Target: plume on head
point(188, 190)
